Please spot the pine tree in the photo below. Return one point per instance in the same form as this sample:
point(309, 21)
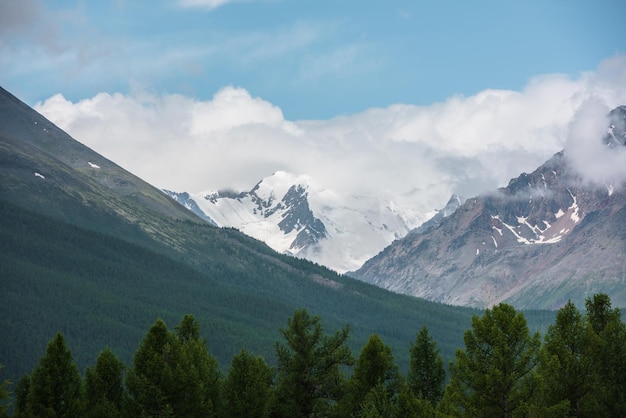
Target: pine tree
point(152, 380)
point(21, 397)
point(410, 406)
point(565, 368)
point(199, 377)
point(248, 386)
point(174, 374)
point(599, 312)
point(374, 368)
point(310, 379)
point(377, 404)
point(55, 385)
point(493, 376)
point(104, 387)
point(608, 356)
point(426, 373)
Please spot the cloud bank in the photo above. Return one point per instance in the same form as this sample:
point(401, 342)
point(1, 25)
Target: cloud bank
point(596, 162)
point(465, 145)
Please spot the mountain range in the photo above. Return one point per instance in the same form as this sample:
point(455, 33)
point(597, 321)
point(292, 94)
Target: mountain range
point(547, 237)
point(295, 216)
point(89, 249)
point(93, 251)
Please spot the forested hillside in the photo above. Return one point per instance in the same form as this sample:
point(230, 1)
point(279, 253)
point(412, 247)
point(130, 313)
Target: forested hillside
point(503, 370)
point(101, 291)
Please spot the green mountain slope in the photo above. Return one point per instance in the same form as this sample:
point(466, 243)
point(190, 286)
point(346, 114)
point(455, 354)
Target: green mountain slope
point(93, 251)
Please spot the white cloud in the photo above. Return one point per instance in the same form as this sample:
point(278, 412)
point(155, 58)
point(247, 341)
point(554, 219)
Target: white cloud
point(594, 160)
point(230, 108)
point(465, 145)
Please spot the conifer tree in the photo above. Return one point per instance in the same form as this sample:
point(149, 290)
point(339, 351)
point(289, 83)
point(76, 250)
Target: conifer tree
point(410, 406)
point(377, 404)
point(374, 368)
point(104, 387)
point(566, 370)
point(174, 375)
point(493, 376)
point(310, 379)
point(608, 356)
point(200, 378)
point(247, 387)
point(600, 313)
point(55, 385)
point(152, 381)
point(21, 397)
point(426, 373)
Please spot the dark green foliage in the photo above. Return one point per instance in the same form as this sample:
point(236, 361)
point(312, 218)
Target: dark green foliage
point(174, 374)
point(152, 382)
point(411, 406)
point(493, 376)
point(21, 397)
point(55, 385)
point(200, 376)
point(583, 362)
point(104, 387)
point(426, 375)
point(377, 404)
point(566, 368)
point(608, 356)
point(375, 371)
point(188, 330)
point(118, 288)
point(248, 387)
point(581, 372)
point(599, 312)
point(310, 380)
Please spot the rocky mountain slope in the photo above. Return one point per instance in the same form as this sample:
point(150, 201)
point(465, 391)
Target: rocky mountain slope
point(295, 216)
point(545, 238)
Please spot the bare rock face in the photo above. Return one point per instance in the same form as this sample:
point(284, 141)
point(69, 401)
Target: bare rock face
point(545, 238)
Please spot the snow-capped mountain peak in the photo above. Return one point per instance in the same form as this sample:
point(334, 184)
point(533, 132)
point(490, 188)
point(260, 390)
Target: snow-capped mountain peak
point(295, 215)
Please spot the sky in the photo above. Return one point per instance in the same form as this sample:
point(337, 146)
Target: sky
point(405, 97)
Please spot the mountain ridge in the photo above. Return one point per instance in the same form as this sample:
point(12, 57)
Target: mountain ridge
point(296, 216)
point(543, 239)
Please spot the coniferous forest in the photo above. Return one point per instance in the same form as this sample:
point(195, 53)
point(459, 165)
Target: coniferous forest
point(577, 369)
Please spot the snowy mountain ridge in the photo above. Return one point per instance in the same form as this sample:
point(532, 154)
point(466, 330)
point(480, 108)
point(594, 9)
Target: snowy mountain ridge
point(295, 215)
point(547, 237)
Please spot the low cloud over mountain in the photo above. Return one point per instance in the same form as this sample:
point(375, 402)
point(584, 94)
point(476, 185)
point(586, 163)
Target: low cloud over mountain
point(465, 145)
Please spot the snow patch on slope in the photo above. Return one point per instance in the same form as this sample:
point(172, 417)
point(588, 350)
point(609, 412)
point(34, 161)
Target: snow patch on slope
point(529, 234)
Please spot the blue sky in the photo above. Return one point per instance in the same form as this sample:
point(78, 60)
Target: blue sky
point(313, 59)
point(416, 99)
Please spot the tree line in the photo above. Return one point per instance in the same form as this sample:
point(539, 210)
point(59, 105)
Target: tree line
point(578, 369)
